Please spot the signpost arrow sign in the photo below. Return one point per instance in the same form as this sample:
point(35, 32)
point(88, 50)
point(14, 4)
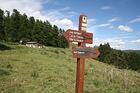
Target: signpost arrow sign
point(73, 36)
point(78, 36)
point(85, 52)
point(88, 37)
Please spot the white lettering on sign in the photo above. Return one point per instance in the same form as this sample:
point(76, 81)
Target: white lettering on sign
point(80, 37)
point(77, 52)
point(83, 28)
point(84, 24)
point(75, 39)
point(80, 40)
point(71, 39)
point(76, 36)
point(75, 33)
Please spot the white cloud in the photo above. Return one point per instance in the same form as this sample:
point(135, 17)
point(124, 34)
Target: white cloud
point(114, 43)
point(138, 32)
point(30, 7)
point(106, 8)
point(125, 28)
point(103, 25)
point(65, 9)
point(91, 21)
point(114, 19)
point(135, 20)
point(135, 41)
point(91, 29)
point(65, 23)
point(35, 8)
point(111, 27)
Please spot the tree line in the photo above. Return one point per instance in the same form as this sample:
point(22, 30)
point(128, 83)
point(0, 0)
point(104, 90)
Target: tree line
point(121, 59)
point(15, 27)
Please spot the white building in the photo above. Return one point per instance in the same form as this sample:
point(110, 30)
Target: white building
point(34, 45)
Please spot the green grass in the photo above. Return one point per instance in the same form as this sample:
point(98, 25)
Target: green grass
point(52, 70)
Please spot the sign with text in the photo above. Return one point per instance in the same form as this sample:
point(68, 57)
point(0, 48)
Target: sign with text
point(85, 52)
point(78, 36)
point(73, 36)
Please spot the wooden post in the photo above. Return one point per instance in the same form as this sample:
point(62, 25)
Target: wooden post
point(81, 52)
point(81, 61)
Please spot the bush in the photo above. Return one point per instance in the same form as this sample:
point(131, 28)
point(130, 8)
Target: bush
point(4, 47)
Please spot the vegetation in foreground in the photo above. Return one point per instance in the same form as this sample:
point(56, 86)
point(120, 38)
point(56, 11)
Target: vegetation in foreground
point(52, 70)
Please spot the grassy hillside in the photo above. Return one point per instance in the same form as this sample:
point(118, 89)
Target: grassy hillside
point(52, 70)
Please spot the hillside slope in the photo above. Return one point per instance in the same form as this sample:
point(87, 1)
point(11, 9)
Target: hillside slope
point(52, 70)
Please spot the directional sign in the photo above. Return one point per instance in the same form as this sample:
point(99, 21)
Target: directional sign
point(74, 36)
point(78, 36)
point(88, 37)
point(85, 52)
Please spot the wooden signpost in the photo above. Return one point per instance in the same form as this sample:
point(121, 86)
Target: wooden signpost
point(81, 52)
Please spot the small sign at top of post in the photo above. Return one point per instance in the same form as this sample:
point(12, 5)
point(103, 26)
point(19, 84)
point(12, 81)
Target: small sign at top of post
point(82, 23)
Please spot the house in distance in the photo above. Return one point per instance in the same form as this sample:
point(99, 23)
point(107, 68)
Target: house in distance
point(34, 44)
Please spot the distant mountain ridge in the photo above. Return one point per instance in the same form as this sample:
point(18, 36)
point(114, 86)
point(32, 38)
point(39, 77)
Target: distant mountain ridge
point(137, 51)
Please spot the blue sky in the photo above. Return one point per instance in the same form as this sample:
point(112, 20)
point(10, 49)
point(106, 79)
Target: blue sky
point(113, 21)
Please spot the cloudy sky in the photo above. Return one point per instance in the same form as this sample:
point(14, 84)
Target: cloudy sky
point(113, 21)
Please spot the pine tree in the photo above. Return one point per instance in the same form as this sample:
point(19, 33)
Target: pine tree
point(15, 23)
point(23, 27)
point(2, 32)
point(7, 25)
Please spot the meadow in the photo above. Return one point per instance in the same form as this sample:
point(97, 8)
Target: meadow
point(53, 70)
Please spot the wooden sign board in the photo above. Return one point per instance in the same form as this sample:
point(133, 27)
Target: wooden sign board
point(73, 36)
point(78, 36)
point(88, 37)
point(85, 52)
